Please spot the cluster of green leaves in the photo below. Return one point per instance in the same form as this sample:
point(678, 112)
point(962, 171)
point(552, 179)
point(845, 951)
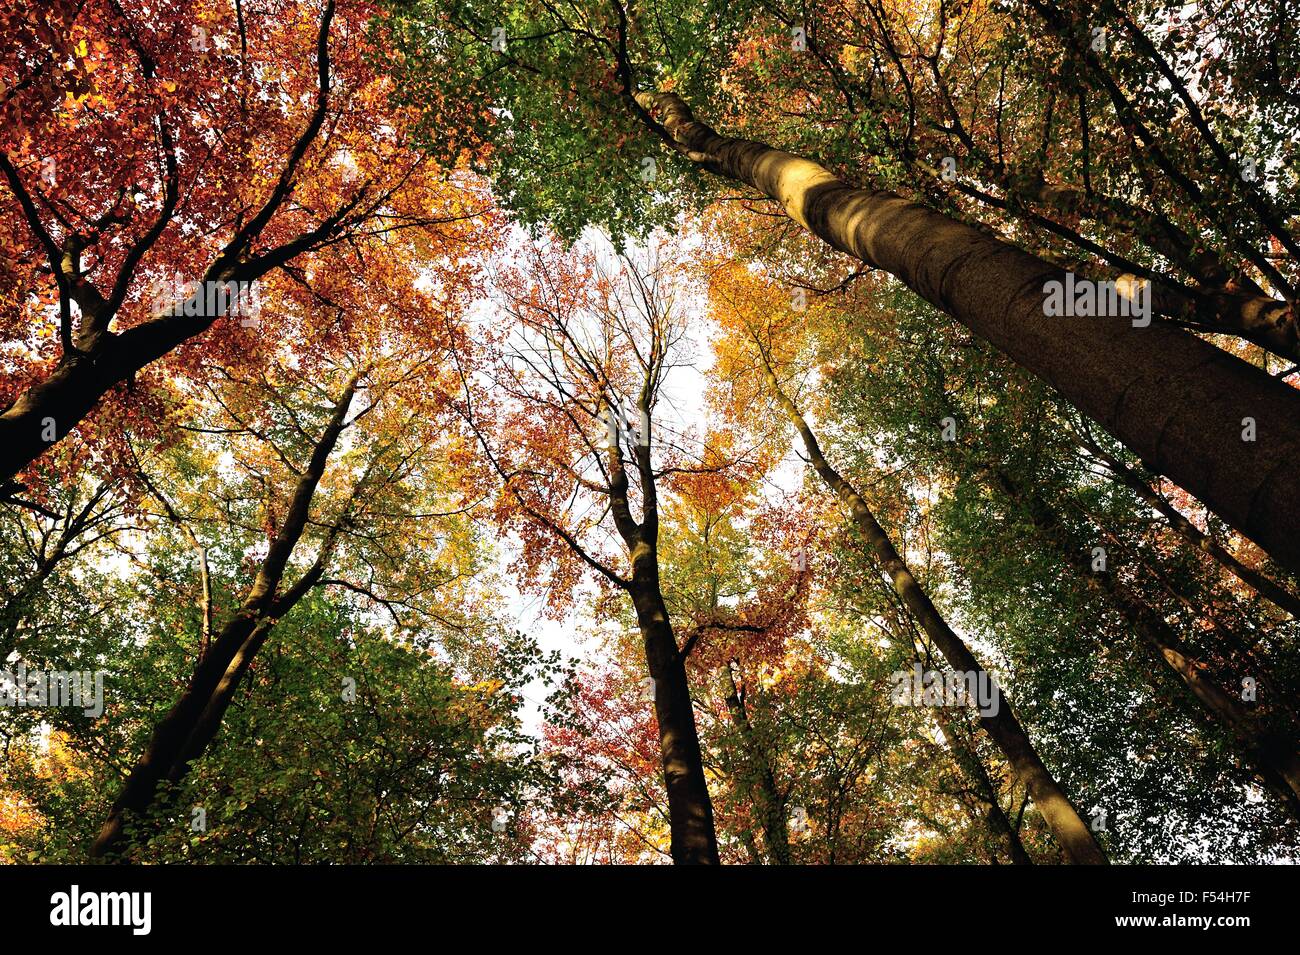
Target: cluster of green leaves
point(542, 87)
point(345, 747)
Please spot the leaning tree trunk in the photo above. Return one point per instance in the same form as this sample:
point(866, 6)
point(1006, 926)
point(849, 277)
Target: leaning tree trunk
point(184, 733)
point(968, 762)
point(50, 409)
point(169, 740)
point(1002, 726)
point(1176, 401)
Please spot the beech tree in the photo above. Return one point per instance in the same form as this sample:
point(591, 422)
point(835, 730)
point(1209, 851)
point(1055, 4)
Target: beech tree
point(576, 393)
point(248, 147)
point(941, 412)
point(1148, 385)
point(884, 415)
point(347, 539)
point(766, 338)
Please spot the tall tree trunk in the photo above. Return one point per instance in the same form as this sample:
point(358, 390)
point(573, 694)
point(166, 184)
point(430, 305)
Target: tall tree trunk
point(1273, 755)
point(169, 738)
point(690, 811)
point(1176, 401)
point(1003, 727)
point(768, 802)
point(184, 733)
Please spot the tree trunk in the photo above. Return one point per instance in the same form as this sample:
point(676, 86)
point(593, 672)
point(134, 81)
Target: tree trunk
point(690, 811)
point(1003, 727)
point(159, 760)
point(52, 407)
point(1176, 401)
point(184, 733)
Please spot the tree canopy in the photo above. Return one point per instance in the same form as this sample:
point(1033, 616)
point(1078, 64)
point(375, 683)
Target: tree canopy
point(855, 431)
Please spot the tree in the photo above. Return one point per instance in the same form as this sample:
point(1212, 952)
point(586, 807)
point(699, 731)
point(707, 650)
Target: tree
point(346, 540)
point(565, 413)
point(929, 411)
point(1000, 722)
point(249, 147)
point(1147, 384)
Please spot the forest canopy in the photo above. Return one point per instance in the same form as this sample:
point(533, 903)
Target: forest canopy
point(844, 432)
